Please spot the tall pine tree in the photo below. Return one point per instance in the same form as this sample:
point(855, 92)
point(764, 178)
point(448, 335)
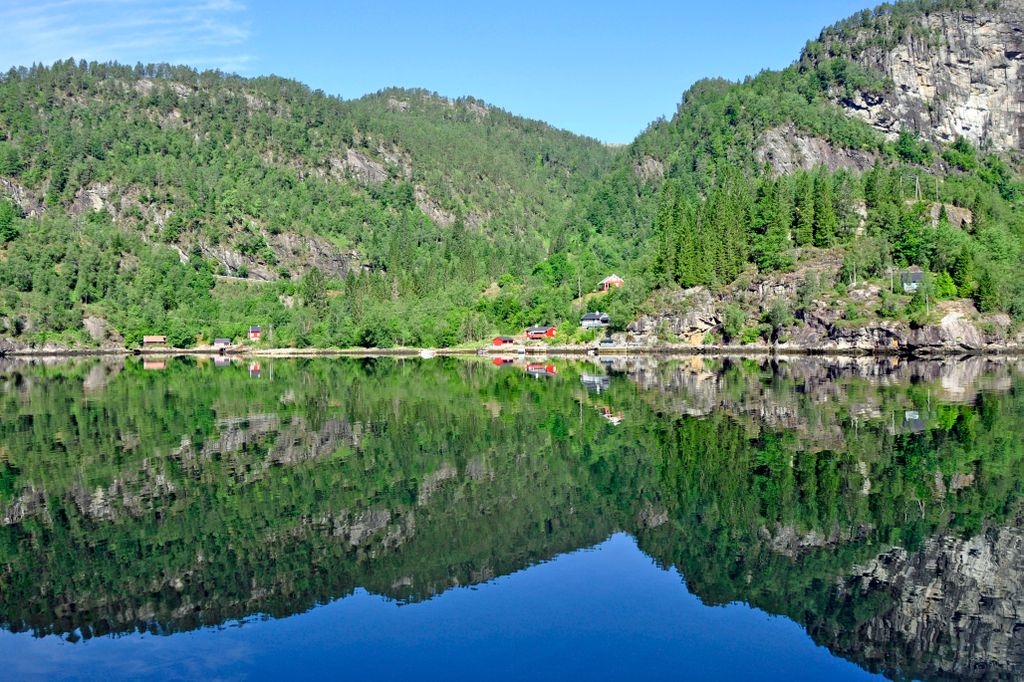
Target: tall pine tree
point(825, 222)
point(803, 211)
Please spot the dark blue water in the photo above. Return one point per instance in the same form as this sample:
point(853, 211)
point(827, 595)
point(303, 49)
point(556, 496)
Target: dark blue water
point(601, 613)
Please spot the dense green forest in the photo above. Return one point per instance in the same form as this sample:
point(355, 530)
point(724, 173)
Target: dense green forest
point(203, 493)
point(208, 164)
point(162, 200)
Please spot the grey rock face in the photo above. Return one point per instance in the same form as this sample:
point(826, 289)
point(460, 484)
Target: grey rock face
point(689, 315)
point(954, 73)
point(10, 346)
point(787, 150)
point(307, 251)
point(364, 168)
point(100, 331)
point(28, 202)
point(649, 169)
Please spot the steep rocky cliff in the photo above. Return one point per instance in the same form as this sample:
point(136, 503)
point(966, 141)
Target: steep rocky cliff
point(950, 73)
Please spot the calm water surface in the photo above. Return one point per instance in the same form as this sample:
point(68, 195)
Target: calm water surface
point(665, 519)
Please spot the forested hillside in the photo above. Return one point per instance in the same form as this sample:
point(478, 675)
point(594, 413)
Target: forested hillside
point(782, 171)
point(139, 187)
point(157, 199)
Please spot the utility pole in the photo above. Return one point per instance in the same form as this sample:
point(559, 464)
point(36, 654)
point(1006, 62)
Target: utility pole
point(579, 287)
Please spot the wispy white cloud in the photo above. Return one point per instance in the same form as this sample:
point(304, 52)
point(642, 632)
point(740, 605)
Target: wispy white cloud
point(201, 33)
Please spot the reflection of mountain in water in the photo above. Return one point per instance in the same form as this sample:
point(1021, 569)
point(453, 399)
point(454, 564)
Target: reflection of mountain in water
point(954, 608)
point(875, 502)
point(939, 436)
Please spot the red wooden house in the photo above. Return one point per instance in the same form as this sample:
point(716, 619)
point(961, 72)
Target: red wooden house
point(611, 281)
point(541, 332)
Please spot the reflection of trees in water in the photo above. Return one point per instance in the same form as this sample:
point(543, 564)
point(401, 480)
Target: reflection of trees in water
point(809, 544)
point(193, 496)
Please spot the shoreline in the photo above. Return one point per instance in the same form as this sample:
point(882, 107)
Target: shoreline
point(536, 351)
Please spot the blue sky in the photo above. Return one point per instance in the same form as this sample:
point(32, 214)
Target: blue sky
point(604, 69)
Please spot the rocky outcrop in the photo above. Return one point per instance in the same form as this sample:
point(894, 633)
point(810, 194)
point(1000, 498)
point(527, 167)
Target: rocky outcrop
point(363, 167)
point(687, 315)
point(429, 206)
point(822, 321)
point(397, 105)
point(788, 150)
point(442, 216)
point(90, 199)
point(649, 169)
point(478, 109)
point(234, 261)
point(953, 73)
point(957, 609)
point(954, 331)
point(100, 331)
point(308, 251)
point(30, 204)
point(13, 346)
point(10, 346)
point(956, 215)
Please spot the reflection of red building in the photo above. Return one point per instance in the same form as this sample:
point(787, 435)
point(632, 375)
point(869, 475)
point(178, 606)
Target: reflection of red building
point(254, 370)
point(541, 333)
point(610, 282)
point(154, 364)
point(503, 341)
point(501, 362)
point(539, 369)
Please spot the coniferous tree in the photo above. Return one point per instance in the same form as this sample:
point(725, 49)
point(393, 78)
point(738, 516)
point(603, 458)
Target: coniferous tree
point(8, 230)
point(825, 222)
point(963, 271)
point(986, 296)
point(666, 258)
point(803, 219)
point(771, 242)
point(690, 267)
point(314, 291)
